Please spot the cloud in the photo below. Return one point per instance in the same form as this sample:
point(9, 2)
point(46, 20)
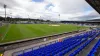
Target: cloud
point(10, 3)
point(90, 15)
point(73, 9)
point(49, 9)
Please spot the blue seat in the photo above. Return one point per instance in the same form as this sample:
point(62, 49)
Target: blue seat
point(94, 49)
point(61, 48)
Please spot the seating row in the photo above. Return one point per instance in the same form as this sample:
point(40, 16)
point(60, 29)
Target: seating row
point(92, 52)
point(83, 46)
point(61, 48)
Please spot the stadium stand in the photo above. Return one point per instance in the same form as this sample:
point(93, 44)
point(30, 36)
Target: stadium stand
point(83, 46)
point(65, 46)
point(96, 49)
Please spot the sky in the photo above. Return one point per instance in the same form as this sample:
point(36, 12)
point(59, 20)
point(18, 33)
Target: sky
point(71, 10)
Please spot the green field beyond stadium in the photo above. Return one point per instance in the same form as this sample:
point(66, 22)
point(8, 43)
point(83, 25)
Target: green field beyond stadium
point(15, 32)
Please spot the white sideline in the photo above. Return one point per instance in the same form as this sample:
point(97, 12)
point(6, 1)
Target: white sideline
point(3, 37)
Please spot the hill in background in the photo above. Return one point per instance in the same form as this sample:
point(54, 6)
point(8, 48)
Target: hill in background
point(94, 20)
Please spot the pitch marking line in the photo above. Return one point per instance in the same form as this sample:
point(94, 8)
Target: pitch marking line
point(3, 37)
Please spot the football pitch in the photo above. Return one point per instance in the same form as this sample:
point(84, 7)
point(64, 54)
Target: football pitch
point(15, 32)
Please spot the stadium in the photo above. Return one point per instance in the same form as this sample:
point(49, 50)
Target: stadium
point(25, 36)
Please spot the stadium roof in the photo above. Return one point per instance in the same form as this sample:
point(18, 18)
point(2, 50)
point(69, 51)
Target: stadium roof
point(95, 4)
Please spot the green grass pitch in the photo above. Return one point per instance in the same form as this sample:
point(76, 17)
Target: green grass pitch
point(23, 31)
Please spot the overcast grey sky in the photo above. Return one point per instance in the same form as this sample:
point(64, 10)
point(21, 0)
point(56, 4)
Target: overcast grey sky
point(49, 9)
